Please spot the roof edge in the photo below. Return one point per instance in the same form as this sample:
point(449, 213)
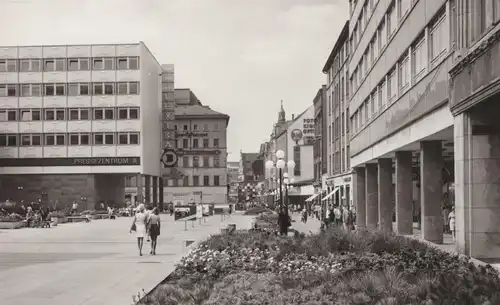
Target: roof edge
point(344, 34)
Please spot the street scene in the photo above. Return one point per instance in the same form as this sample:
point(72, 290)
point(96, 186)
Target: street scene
point(226, 152)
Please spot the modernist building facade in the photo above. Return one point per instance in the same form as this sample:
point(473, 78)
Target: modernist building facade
point(75, 119)
point(424, 96)
point(338, 182)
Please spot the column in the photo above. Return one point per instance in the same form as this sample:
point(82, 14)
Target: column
point(371, 196)
point(359, 196)
point(140, 191)
point(155, 190)
point(147, 189)
point(431, 190)
point(385, 205)
point(160, 194)
point(404, 193)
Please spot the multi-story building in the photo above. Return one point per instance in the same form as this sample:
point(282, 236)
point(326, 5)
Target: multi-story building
point(338, 180)
point(246, 170)
point(232, 180)
point(75, 119)
point(201, 143)
point(320, 142)
point(411, 154)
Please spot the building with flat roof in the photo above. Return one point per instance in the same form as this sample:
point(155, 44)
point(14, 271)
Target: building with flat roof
point(75, 119)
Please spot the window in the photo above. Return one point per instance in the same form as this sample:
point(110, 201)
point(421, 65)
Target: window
point(368, 109)
point(8, 65)
point(128, 113)
point(53, 139)
point(196, 161)
point(127, 63)
point(78, 64)
point(75, 89)
point(30, 65)
point(79, 139)
point(128, 138)
point(382, 36)
point(382, 95)
point(104, 138)
point(206, 161)
point(216, 180)
point(8, 115)
point(206, 180)
point(404, 7)
point(205, 127)
point(31, 139)
point(419, 58)
point(185, 143)
point(127, 88)
point(205, 143)
point(30, 89)
point(374, 102)
point(185, 161)
point(104, 113)
point(216, 126)
point(216, 161)
point(31, 114)
point(185, 180)
point(195, 143)
point(404, 73)
point(196, 180)
point(439, 38)
point(392, 83)
point(76, 114)
point(185, 127)
point(54, 89)
point(8, 140)
point(8, 90)
point(54, 64)
point(55, 114)
point(392, 21)
point(216, 143)
point(103, 63)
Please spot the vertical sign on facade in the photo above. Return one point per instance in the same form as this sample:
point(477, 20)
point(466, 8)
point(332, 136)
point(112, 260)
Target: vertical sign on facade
point(296, 159)
point(168, 113)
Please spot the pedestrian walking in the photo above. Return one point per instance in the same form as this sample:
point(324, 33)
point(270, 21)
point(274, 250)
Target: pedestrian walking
point(148, 213)
point(451, 219)
point(139, 226)
point(154, 229)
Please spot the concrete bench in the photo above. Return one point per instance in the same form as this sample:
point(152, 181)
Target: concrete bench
point(78, 218)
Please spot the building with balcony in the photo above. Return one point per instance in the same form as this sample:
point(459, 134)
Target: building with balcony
point(76, 119)
point(201, 144)
point(338, 181)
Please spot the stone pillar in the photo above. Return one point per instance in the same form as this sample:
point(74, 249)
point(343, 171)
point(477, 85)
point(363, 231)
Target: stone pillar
point(359, 196)
point(155, 190)
point(431, 190)
point(160, 193)
point(140, 188)
point(404, 193)
point(477, 181)
point(385, 205)
point(147, 189)
point(371, 196)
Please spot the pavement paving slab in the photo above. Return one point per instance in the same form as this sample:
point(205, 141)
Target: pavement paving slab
point(93, 263)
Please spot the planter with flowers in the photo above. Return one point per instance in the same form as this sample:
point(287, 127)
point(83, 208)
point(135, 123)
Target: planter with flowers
point(12, 221)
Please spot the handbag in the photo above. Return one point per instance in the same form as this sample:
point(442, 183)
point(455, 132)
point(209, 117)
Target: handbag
point(133, 227)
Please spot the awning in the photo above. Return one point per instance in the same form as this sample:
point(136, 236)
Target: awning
point(331, 194)
point(312, 197)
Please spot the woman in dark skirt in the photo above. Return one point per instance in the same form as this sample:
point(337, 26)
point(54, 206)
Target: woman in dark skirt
point(154, 229)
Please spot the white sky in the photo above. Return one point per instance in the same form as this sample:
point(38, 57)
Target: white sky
point(241, 57)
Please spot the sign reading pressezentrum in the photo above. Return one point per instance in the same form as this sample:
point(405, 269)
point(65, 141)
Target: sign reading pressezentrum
point(91, 161)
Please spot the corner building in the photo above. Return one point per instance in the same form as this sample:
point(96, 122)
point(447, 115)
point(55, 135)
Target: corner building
point(76, 119)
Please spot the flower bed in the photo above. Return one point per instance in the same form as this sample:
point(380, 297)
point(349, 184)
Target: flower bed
point(333, 267)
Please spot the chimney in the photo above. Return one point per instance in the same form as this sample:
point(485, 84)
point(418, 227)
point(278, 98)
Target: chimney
point(293, 116)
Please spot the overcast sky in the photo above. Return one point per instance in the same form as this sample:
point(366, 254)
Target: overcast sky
point(241, 57)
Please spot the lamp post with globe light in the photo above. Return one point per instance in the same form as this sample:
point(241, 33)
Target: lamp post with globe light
point(280, 165)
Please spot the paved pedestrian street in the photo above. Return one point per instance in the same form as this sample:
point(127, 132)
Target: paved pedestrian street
point(92, 263)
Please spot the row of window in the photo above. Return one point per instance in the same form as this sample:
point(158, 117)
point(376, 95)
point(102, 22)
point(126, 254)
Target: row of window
point(422, 55)
point(69, 64)
point(197, 161)
point(70, 89)
point(194, 127)
point(195, 180)
point(63, 139)
point(71, 114)
point(196, 143)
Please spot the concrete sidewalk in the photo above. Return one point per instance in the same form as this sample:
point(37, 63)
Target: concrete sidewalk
point(93, 263)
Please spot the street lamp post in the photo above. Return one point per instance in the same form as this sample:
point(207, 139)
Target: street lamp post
point(280, 165)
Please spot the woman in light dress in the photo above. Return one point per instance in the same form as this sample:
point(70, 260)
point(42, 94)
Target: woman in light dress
point(139, 224)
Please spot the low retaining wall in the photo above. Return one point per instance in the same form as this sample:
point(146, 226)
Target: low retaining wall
point(12, 225)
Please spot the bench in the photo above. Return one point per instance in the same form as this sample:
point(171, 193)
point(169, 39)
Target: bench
point(186, 219)
point(78, 218)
